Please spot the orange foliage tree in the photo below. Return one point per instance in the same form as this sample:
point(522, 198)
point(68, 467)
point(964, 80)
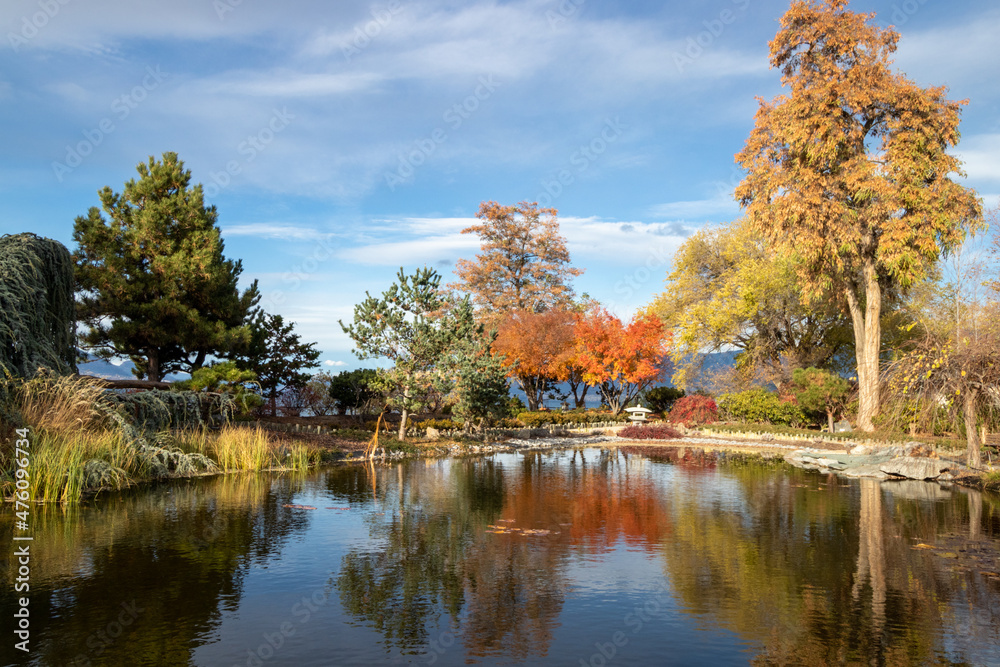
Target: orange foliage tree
point(524, 263)
point(620, 359)
point(535, 347)
point(850, 171)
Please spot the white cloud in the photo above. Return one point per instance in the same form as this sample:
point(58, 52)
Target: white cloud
point(267, 230)
point(981, 154)
point(699, 209)
point(285, 83)
point(962, 57)
point(330, 362)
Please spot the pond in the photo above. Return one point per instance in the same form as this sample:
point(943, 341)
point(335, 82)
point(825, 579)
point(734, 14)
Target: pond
point(573, 557)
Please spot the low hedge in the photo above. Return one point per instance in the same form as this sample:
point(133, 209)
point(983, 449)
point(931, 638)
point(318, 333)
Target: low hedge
point(537, 419)
point(651, 432)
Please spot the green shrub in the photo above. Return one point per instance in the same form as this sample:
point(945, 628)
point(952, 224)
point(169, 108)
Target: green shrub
point(821, 392)
point(515, 406)
point(439, 424)
point(695, 409)
point(662, 399)
point(758, 406)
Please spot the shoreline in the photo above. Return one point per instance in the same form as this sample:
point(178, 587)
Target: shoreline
point(769, 447)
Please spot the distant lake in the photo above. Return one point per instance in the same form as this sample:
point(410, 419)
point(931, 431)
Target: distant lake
point(574, 557)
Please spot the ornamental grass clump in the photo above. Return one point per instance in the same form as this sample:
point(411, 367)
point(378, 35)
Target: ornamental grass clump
point(65, 466)
point(234, 448)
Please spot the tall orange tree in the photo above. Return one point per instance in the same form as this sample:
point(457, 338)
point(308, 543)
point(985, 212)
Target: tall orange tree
point(523, 265)
point(535, 346)
point(621, 359)
point(851, 168)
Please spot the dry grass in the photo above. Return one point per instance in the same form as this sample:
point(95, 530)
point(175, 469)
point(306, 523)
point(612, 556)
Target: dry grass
point(243, 448)
point(60, 404)
point(65, 465)
point(79, 446)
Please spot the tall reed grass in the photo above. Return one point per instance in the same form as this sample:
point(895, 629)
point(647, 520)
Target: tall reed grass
point(244, 448)
point(79, 444)
point(64, 466)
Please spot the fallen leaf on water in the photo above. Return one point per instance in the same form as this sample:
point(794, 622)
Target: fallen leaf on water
point(922, 546)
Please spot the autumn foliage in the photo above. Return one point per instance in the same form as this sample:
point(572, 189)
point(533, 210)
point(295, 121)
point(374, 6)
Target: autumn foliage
point(536, 347)
point(621, 359)
point(695, 410)
point(524, 263)
point(850, 170)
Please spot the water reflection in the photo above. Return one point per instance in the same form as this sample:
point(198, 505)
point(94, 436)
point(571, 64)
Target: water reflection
point(822, 572)
point(521, 559)
point(809, 568)
point(139, 579)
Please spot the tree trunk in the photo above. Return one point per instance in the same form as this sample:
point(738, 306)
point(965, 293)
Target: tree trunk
point(867, 343)
point(153, 367)
point(579, 397)
point(532, 391)
point(971, 432)
point(612, 396)
point(404, 414)
point(829, 419)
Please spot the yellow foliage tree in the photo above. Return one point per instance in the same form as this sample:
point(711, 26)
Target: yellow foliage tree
point(851, 169)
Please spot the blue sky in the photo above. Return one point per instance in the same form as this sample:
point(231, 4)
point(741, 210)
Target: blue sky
point(343, 140)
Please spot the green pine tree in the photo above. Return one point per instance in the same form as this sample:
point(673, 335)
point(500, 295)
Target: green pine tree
point(151, 278)
point(407, 327)
point(480, 379)
point(277, 356)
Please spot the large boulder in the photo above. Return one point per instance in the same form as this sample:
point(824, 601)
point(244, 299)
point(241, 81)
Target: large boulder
point(913, 467)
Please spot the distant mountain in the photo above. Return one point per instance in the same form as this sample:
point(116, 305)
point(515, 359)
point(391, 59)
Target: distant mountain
point(108, 371)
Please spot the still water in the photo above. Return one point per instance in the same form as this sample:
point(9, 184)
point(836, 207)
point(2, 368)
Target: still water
point(576, 557)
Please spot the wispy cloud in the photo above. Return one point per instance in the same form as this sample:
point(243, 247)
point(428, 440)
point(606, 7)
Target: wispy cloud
point(697, 210)
point(981, 155)
point(282, 231)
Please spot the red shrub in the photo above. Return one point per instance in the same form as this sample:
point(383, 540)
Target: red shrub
point(652, 432)
point(694, 410)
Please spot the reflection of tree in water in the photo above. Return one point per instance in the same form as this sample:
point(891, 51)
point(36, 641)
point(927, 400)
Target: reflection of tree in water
point(502, 593)
point(420, 570)
point(180, 552)
point(820, 572)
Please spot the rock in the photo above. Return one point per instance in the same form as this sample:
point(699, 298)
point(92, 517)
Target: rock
point(913, 467)
point(868, 471)
point(433, 433)
point(842, 427)
point(830, 463)
point(531, 433)
point(919, 449)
